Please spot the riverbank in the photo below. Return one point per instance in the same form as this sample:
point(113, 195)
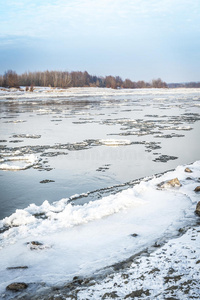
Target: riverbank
point(170, 271)
point(165, 257)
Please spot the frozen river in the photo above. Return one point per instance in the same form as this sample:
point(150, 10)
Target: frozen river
point(57, 144)
point(69, 165)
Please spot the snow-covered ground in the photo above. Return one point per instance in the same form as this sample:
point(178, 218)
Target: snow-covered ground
point(171, 272)
point(56, 242)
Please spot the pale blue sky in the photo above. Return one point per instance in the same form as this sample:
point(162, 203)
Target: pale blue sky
point(136, 39)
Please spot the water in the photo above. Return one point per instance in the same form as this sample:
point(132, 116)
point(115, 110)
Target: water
point(89, 139)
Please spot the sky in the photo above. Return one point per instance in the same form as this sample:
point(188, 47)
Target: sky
point(135, 39)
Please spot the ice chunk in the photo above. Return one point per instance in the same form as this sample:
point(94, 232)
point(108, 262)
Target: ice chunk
point(23, 162)
point(113, 142)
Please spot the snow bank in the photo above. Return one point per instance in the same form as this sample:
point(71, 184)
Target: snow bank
point(78, 240)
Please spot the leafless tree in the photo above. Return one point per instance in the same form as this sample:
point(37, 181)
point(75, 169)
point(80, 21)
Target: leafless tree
point(73, 79)
point(10, 79)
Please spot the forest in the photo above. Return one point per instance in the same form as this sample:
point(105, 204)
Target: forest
point(81, 79)
point(73, 79)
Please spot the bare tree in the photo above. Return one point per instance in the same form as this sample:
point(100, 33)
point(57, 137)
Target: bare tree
point(158, 83)
point(1, 80)
point(75, 79)
point(10, 79)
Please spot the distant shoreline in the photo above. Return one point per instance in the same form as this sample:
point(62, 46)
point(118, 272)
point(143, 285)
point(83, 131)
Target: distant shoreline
point(81, 79)
point(63, 89)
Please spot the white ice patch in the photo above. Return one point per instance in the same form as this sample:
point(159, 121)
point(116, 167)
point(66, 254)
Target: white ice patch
point(20, 217)
point(16, 163)
point(114, 143)
point(78, 240)
point(27, 136)
point(184, 128)
point(15, 121)
point(6, 154)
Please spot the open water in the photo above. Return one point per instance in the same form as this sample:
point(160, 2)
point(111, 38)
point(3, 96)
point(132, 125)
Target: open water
point(56, 144)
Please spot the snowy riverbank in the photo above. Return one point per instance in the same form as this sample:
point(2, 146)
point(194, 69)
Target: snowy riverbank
point(170, 272)
point(59, 243)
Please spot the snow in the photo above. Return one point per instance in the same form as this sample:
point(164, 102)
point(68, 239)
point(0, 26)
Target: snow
point(170, 271)
point(79, 240)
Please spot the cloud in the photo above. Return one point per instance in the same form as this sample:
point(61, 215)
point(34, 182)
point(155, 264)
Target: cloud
point(89, 17)
point(114, 34)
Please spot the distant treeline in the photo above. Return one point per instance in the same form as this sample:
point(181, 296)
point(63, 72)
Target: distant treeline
point(185, 85)
point(81, 79)
point(73, 79)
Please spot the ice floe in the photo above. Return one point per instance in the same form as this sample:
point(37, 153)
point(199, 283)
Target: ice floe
point(16, 163)
point(113, 142)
